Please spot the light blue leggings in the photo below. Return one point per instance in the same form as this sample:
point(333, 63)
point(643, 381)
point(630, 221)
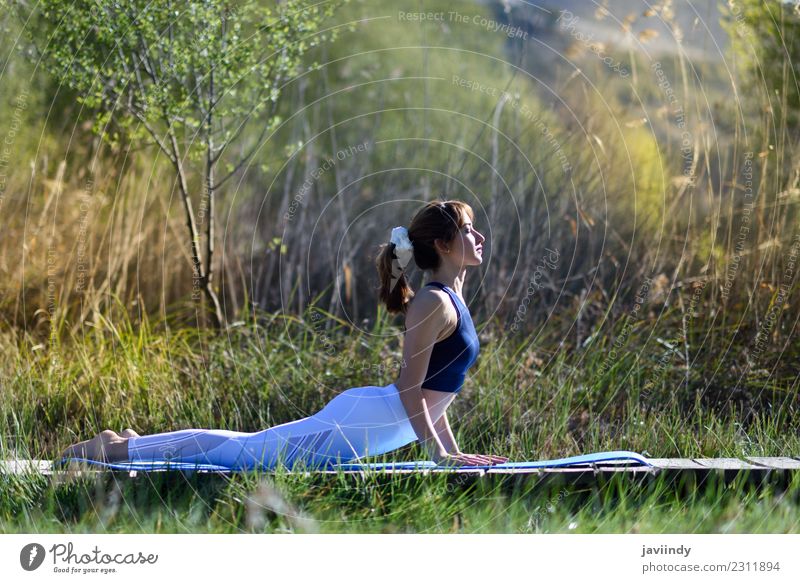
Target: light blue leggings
point(357, 422)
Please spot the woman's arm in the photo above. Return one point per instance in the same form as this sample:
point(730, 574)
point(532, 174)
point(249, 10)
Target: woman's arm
point(420, 419)
point(442, 426)
point(424, 319)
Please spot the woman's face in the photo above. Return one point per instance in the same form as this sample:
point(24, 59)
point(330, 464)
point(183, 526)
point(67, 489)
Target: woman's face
point(466, 248)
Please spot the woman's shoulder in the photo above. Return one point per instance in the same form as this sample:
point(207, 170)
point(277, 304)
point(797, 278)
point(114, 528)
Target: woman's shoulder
point(429, 297)
point(431, 302)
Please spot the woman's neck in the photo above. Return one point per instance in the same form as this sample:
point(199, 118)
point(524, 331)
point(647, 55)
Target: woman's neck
point(454, 281)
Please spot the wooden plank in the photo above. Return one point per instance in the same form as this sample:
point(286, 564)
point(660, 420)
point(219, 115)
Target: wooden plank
point(568, 471)
point(675, 464)
point(514, 471)
point(633, 470)
point(618, 463)
point(24, 466)
point(778, 463)
point(463, 471)
point(726, 463)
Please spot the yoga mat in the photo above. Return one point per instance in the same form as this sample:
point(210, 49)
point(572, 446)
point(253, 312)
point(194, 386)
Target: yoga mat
point(146, 466)
point(605, 456)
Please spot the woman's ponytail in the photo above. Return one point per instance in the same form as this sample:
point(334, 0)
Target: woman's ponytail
point(395, 290)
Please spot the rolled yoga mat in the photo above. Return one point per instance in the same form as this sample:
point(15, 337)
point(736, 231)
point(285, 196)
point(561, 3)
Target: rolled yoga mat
point(357, 423)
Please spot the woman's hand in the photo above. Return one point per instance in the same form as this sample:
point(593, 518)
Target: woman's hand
point(459, 459)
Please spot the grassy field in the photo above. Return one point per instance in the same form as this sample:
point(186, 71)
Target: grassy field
point(519, 402)
point(429, 504)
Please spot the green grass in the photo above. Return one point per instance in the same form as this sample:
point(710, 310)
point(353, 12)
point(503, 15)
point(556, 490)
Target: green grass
point(517, 402)
point(178, 503)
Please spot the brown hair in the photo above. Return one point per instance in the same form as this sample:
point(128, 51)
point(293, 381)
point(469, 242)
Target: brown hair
point(436, 220)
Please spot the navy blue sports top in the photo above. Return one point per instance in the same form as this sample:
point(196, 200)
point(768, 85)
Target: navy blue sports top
point(452, 356)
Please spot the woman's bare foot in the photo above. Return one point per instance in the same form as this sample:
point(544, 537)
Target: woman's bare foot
point(106, 446)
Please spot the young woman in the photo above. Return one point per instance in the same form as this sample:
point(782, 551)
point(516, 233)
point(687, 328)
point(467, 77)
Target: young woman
point(440, 344)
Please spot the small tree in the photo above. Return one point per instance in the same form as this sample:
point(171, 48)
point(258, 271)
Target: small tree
point(766, 40)
point(186, 76)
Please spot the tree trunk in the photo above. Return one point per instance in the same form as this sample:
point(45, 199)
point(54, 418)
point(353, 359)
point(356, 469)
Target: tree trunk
point(208, 288)
point(199, 274)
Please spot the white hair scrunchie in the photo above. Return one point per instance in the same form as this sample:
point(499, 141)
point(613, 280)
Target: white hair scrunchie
point(402, 245)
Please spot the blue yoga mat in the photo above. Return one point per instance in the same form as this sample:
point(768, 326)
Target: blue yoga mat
point(605, 456)
point(148, 466)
